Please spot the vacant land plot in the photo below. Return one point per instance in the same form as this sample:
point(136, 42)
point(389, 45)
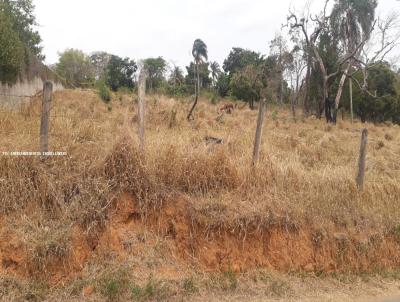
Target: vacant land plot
point(189, 216)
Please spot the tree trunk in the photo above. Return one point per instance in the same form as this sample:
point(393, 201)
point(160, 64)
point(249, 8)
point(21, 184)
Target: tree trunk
point(251, 104)
point(196, 91)
point(308, 80)
point(328, 107)
point(340, 90)
point(281, 73)
point(198, 81)
point(260, 124)
point(351, 99)
point(294, 97)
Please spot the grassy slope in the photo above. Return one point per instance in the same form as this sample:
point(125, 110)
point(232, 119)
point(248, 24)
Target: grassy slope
point(305, 178)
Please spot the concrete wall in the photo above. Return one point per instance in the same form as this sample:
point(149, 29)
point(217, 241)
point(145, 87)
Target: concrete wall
point(9, 94)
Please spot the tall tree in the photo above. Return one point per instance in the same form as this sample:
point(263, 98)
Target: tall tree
point(215, 71)
point(383, 104)
point(321, 29)
point(75, 67)
point(352, 21)
point(200, 55)
point(247, 84)
point(278, 47)
point(23, 20)
point(11, 50)
point(100, 60)
point(176, 77)
point(120, 72)
point(204, 73)
point(296, 65)
point(239, 58)
point(156, 68)
point(254, 82)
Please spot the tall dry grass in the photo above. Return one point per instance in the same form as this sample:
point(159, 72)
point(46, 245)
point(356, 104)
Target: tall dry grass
point(306, 172)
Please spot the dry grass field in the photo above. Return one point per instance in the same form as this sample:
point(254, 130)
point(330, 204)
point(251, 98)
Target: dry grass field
point(188, 218)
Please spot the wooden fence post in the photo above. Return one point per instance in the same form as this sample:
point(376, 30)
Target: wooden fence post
point(361, 160)
point(260, 124)
point(44, 124)
point(142, 107)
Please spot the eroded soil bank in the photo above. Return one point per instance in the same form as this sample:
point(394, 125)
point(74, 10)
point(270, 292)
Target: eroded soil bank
point(130, 230)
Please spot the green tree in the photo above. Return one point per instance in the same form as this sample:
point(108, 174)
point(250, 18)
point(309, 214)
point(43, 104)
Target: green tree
point(383, 105)
point(215, 71)
point(351, 21)
point(255, 81)
point(200, 55)
point(120, 73)
point(328, 50)
point(23, 20)
point(222, 84)
point(278, 47)
point(11, 50)
point(176, 77)
point(156, 68)
point(246, 84)
point(203, 73)
point(100, 60)
point(75, 67)
point(176, 85)
point(239, 58)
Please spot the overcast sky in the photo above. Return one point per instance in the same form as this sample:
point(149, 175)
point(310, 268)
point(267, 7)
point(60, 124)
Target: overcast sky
point(149, 28)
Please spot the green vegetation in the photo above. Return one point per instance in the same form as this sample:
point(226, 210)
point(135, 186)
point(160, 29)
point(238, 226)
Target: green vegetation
point(18, 39)
point(120, 72)
point(200, 56)
point(308, 68)
point(11, 50)
point(76, 68)
point(113, 284)
point(152, 291)
point(189, 286)
point(156, 68)
point(103, 91)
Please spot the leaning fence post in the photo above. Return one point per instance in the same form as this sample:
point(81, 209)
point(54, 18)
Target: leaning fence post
point(361, 160)
point(260, 124)
point(141, 113)
point(44, 124)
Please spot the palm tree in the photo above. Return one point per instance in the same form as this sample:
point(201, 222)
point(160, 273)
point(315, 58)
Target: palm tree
point(215, 71)
point(200, 55)
point(176, 76)
point(352, 22)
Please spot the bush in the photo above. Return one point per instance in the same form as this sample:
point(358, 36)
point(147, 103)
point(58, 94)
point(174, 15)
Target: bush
point(223, 85)
point(176, 90)
point(103, 91)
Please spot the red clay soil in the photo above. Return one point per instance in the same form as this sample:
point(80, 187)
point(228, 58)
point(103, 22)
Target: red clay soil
point(277, 247)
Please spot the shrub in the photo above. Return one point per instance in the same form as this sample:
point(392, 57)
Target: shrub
point(152, 291)
point(189, 286)
point(113, 284)
point(103, 91)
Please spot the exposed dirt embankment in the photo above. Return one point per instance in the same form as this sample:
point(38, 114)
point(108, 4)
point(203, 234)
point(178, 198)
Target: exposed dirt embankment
point(128, 232)
point(278, 246)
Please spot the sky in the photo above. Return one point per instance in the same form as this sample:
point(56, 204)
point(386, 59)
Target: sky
point(167, 28)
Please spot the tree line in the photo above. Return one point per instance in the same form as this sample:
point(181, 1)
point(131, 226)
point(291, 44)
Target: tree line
point(323, 62)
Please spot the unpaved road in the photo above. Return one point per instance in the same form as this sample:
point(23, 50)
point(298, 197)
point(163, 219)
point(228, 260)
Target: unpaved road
point(318, 291)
